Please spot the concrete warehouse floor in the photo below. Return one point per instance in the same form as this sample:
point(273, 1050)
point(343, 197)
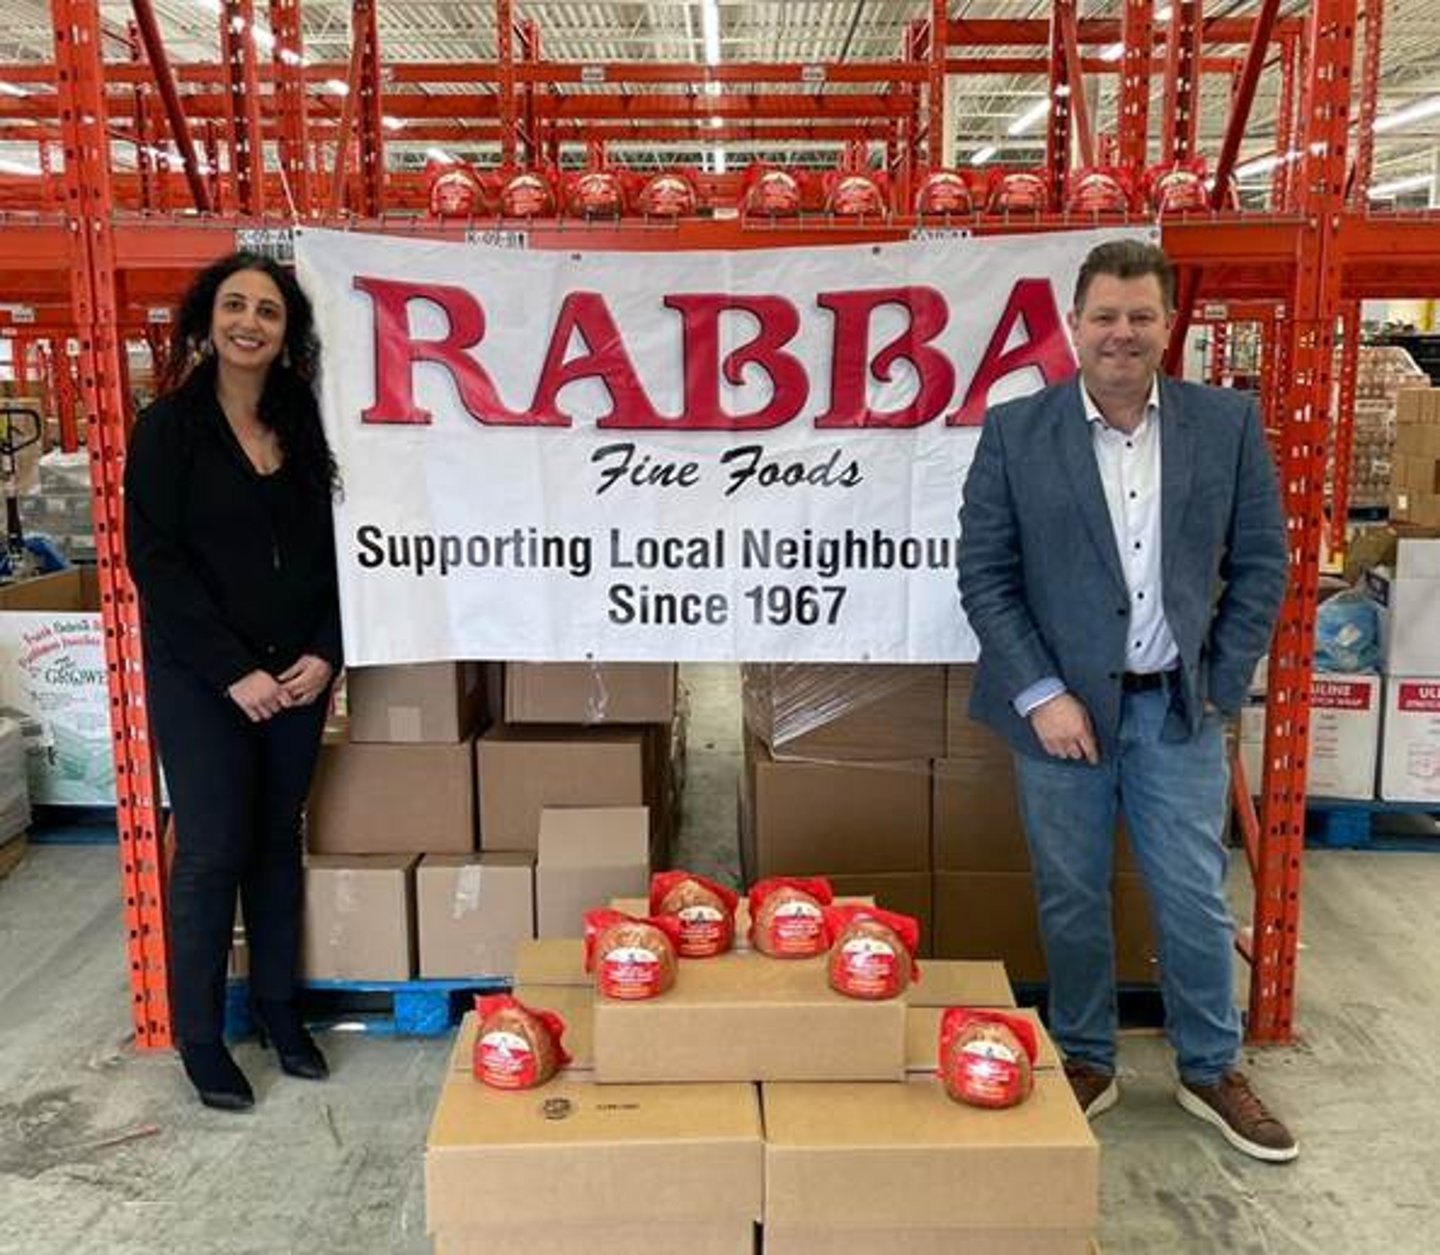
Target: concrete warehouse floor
point(106, 1152)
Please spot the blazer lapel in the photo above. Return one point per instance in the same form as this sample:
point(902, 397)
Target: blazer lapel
point(1177, 465)
point(1077, 451)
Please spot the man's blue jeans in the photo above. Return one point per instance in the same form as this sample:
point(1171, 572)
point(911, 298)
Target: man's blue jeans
point(1173, 796)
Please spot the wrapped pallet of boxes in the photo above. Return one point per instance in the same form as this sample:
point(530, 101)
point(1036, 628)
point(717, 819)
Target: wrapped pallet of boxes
point(590, 692)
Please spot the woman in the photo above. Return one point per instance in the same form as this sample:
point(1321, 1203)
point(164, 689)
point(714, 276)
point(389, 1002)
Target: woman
point(228, 488)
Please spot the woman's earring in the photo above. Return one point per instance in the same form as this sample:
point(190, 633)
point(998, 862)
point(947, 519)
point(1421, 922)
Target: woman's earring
point(285, 357)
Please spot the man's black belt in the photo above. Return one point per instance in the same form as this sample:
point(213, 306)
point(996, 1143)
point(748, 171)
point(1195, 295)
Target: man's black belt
point(1142, 681)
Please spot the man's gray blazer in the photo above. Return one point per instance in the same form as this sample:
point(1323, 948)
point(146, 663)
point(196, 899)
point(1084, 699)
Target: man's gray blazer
point(1040, 575)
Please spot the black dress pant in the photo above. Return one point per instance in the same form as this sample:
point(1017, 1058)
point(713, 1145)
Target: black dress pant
point(237, 790)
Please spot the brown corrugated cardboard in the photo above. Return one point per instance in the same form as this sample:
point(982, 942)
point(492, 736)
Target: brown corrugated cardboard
point(962, 983)
point(922, 1037)
point(589, 692)
point(641, 907)
point(781, 1241)
point(473, 909)
point(1410, 765)
point(573, 1004)
point(587, 856)
point(524, 770)
point(966, 737)
point(743, 1016)
point(359, 917)
point(909, 893)
point(551, 961)
point(576, 1153)
point(993, 915)
point(730, 1237)
point(867, 711)
point(907, 1157)
point(805, 818)
point(391, 799)
point(442, 702)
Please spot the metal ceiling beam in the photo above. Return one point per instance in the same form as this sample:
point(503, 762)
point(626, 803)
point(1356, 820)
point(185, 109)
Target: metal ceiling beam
point(170, 96)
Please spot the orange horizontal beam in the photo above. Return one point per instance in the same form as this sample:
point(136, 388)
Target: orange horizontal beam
point(1000, 32)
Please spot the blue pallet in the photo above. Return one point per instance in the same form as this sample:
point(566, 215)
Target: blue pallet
point(410, 1008)
point(1336, 824)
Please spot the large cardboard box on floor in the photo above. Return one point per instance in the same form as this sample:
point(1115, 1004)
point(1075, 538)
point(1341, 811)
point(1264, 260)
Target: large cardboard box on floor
point(841, 711)
point(428, 701)
point(748, 1017)
point(589, 692)
point(551, 961)
point(522, 770)
point(576, 1154)
point(588, 855)
point(992, 915)
point(359, 917)
point(1410, 765)
point(803, 818)
point(892, 1162)
point(391, 799)
point(1344, 736)
point(728, 1237)
point(473, 910)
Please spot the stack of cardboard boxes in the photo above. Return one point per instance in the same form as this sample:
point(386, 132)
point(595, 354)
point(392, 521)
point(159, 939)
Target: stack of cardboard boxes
point(750, 1092)
point(877, 777)
point(1415, 470)
point(1382, 372)
point(438, 790)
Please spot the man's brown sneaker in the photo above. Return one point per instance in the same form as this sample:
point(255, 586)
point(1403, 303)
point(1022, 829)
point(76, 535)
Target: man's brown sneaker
point(1095, 1091)
point(1236, 1110)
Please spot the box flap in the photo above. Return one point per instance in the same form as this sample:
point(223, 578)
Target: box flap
point(594, 836)
point(572, 1152)
point(961, 983)
point(551, 961)
point(908, 1157)
point(361, 862)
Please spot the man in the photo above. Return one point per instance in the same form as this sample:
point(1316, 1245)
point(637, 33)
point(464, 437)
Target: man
point(1123, 561)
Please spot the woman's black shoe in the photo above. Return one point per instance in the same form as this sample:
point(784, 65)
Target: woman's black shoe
point(216, 1077)
point(278, 1024)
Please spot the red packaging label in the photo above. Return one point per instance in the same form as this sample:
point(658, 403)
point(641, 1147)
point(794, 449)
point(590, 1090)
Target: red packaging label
point(505, 1060)
point(869, 968)
point(1424, 698)
point(704, 931)
point(988, 1074)
point(1341, 694)
point(629, 973)
point(797, 928)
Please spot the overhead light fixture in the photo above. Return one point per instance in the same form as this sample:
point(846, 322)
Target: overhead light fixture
point(338, 86)
point(718, 160)
point(1410, 113)
point(1164, 14)
point(290, 56)
point(1412, 183)
point(392, 123)
point(12, 89)
point(1114, 52)
point(440, 155)
point(263, 36)
point(710, 30)
point(1261, 165)
point(1026, 120)
point(17, 167)
point(716, 123)
point(982, 155)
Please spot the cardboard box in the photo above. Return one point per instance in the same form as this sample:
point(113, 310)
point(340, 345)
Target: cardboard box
point(473, 910)
point(962, 983)
point(966, 737)
point(805, 818)
point(900, 1158)
point(551, 961)
point(746, 1017)
point(390, 799)
point(782, 1241)
point(589, 692)
point(577, 1153)
point(1344, 737)
point(573, 1004)
point(523, 770)
point(843, 711)
point(1410, 619)
point(909, 893)
point(587, 856)
point(1410, 765)
point(977, 825)
point(359, 917)
point(729, 1237)
point(987, 915)
point(441, 702)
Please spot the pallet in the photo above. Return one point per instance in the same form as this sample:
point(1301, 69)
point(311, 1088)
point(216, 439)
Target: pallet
point(410, 1008)
point(1338, 824)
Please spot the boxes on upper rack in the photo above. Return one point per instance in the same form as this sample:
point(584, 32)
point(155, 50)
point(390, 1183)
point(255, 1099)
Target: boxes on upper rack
point(1410, 765)
point(589, 692)
point(422, 702)
point(359, 917)
point(1409, 598)
point(473, 910)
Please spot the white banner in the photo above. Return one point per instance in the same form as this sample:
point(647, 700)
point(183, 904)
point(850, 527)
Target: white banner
point(674, 456)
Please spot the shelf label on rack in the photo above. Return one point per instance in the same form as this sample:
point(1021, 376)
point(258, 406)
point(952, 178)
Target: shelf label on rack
point(934, 234)
point(20, 315)
point(158, 314)
point(497, 237)
point(812, 73)
point(696, 455)
point(276, 243)
point(592, 74)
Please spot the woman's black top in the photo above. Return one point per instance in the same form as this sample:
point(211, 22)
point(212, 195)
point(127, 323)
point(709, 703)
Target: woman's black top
point(235, 570)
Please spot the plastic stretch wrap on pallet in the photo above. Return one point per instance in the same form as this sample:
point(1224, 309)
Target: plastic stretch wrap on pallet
point(14, 789)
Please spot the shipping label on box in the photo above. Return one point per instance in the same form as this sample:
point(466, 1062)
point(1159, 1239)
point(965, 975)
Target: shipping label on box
point(1410, 767)
point(1344, 736)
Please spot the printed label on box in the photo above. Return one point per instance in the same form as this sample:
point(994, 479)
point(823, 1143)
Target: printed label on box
point(1342, 694)
point(1420, 697)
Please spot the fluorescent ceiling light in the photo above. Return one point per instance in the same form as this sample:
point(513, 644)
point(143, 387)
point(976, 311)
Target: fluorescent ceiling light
point(712, 87)
point(440, 155)
point(1410, 113)
point(338, 86)
point(17, 167)
point(12, 89)
point(718, 158)
point(262, 35)
point(1028, 119)
point(392, 124)
point(1164, 14)
point(710, 30)
point(982, 155)
point(291, 57)
point(716, 123)
point(1114, 52)
point(1261, 165)
point(1412, 183)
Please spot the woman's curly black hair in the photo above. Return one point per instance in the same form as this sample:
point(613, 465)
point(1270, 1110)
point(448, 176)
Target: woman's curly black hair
point(287, 403)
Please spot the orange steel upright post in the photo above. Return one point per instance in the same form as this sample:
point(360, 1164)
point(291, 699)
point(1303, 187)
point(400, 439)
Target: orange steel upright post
point(1182, 80)
point(1342, 447)
point(242, 105)
point(1282, 181)
point(1310, 330)
point(79, 71)
point(1057, 117)
point(1360, 171)
point(363, 23)
point(1133, 125)
point(292, 139)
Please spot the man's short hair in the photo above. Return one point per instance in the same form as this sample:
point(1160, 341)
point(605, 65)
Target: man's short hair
point(1127, 259)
